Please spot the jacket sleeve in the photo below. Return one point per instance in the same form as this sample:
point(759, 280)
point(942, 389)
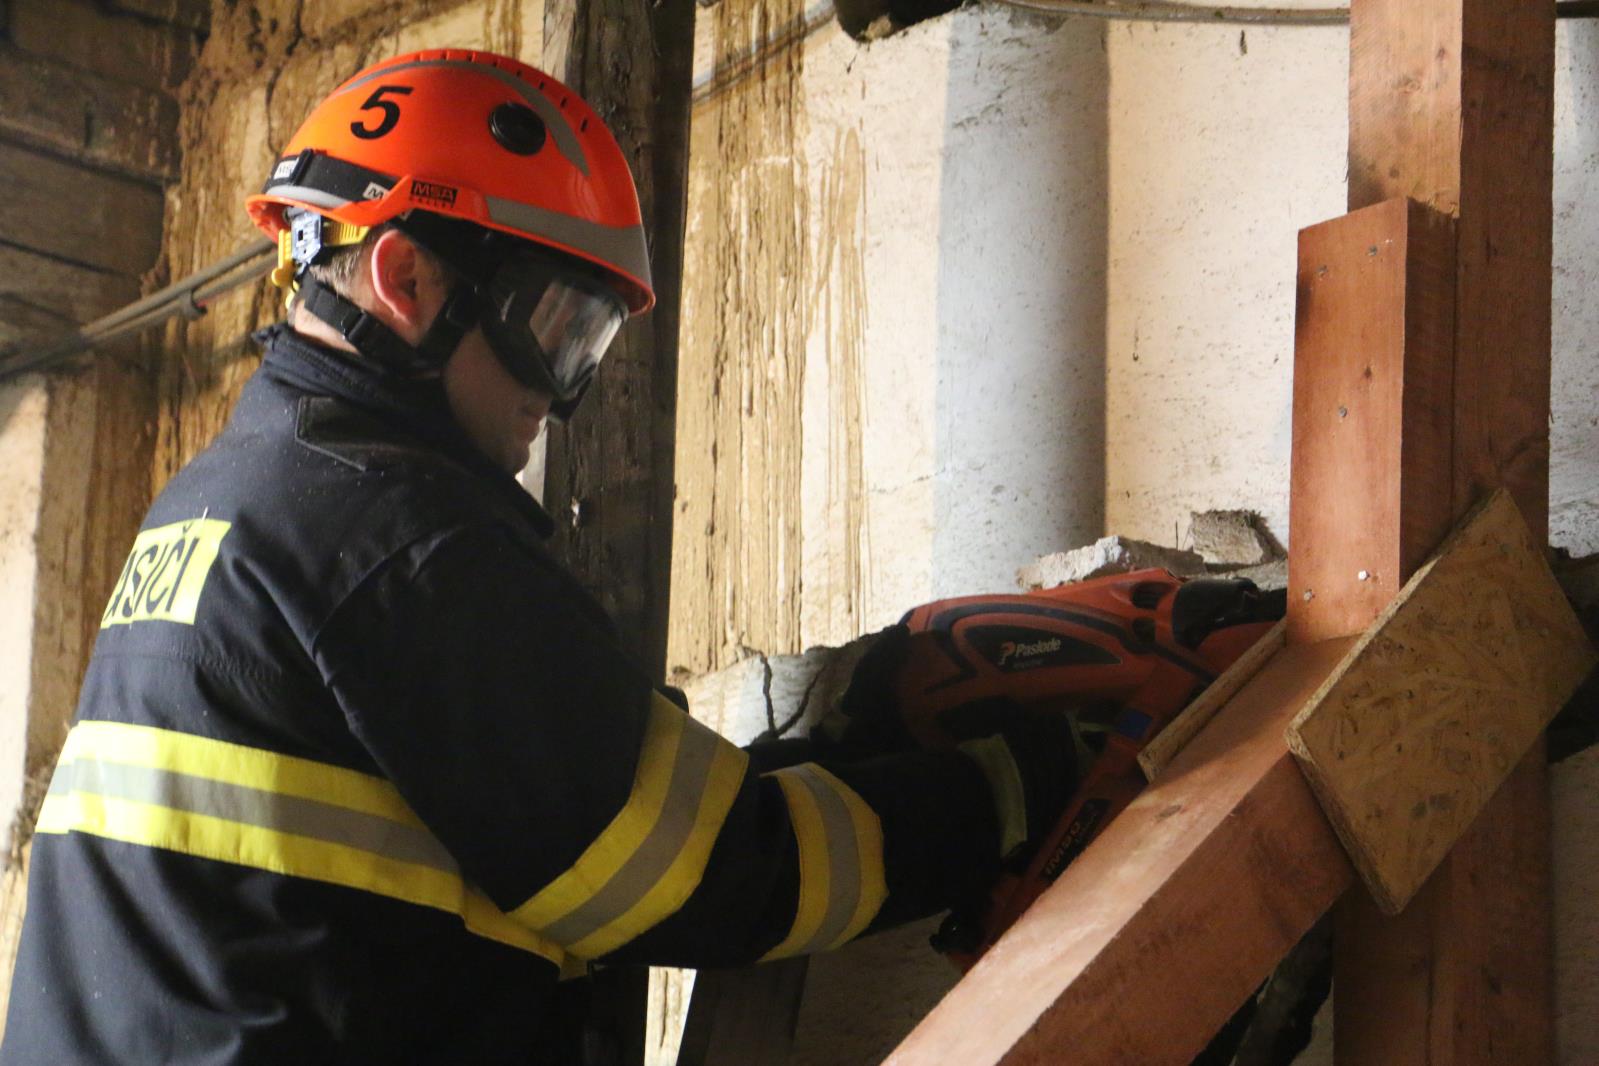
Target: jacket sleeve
point(490, 690)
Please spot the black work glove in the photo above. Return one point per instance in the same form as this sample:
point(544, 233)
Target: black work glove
point(867, 722)
point(1032, 767)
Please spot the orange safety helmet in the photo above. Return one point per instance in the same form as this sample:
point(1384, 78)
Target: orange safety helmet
point(471, 136)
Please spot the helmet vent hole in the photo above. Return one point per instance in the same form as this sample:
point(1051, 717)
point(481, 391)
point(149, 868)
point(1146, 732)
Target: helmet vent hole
point(517, 128)
point(583, 127)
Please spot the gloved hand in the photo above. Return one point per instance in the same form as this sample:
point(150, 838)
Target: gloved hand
point(1032, 767)
point(867, 721)
point(870, 720)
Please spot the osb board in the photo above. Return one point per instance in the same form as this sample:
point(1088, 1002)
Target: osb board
point(1159, 753)
point(1439, 700)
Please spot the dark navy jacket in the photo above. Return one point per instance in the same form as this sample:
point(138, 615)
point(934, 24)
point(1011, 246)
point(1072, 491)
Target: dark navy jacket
point(358, 767)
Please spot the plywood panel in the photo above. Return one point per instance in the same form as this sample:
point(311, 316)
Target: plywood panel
point(1440, 700)
point(1159, 930)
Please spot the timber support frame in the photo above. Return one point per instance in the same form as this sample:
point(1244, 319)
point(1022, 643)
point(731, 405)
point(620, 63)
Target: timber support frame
point(1421, 385)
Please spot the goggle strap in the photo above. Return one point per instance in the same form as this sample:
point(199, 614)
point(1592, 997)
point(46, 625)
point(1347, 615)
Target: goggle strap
point(378, 342)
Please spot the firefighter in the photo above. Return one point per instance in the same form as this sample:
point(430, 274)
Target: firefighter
point(359, 769)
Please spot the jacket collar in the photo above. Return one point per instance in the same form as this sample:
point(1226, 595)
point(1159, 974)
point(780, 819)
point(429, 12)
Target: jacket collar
point(416, 406)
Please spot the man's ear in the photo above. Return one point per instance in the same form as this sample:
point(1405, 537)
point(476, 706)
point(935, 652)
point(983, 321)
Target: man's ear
point(406, 292)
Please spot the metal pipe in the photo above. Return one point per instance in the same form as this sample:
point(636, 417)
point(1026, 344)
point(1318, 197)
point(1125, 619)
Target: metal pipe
point(190, 296)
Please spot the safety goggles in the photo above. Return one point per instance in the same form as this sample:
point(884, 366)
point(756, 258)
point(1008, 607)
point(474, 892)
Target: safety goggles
point(549, 325)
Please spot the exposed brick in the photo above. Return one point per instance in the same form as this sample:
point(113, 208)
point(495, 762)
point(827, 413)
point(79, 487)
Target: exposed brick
point(71, 212)
point(121, 47)
point(76, 113)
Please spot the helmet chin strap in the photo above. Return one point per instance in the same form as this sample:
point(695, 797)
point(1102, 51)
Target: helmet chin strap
point(377, 342)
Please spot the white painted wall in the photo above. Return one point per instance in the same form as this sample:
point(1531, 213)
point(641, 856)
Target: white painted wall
point(977, 309)
point(1224, 143)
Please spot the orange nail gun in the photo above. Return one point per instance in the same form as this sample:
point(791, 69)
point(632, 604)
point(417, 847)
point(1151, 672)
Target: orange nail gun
point(1122, 654)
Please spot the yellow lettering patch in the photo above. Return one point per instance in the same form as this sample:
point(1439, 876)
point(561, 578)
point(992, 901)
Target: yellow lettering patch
point(165, 572)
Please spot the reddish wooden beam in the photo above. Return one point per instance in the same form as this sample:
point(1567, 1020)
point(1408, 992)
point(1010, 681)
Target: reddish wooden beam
point(1451, 103)
point(1373, 381)
point(1155, 934)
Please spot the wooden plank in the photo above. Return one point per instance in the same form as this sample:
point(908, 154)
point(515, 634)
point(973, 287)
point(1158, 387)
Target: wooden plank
point(1372, 380)
point(1440, 700)
point(610, 473)
point(1451, 103)
point(69, 212)
point(113, 44)
point(1158, 753)
point(121, 127)
point(41, 296)
point(1153, 936)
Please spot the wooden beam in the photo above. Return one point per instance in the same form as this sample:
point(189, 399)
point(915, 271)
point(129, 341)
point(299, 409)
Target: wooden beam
point(1440, 700)
point(1159, 752)
point(1174, 915)
point(609, 473)
point(1451, 103)
point(1372, 386)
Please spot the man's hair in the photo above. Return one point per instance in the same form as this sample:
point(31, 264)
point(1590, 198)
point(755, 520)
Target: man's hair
point(338, 271)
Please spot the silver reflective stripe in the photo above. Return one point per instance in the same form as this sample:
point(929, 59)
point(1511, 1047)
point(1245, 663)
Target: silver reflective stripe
point(251, 806)
point(655, 855)
point(306, 194)
point(843, 859)
point(561, 130)
point(621, 245)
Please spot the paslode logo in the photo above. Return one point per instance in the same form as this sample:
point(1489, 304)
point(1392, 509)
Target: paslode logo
point(1012, 651)
point(165, 572)
point(433, 192)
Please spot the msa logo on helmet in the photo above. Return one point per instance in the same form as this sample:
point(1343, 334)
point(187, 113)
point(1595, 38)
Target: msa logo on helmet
point(165, 572)
point(434, 193)
point(1014, 653)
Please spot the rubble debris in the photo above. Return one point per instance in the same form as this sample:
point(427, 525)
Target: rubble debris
point(1232, 538)
point(1108, 555)
point(774, 695)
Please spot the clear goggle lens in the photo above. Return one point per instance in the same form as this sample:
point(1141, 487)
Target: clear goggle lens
point(551, 326)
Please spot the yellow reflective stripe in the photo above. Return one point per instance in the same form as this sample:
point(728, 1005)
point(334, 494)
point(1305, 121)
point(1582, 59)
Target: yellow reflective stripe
point(646, 863)
point(842, 881)
point(219, 760)
point(162, 802)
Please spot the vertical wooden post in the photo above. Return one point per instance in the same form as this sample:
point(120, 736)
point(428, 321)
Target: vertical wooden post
point(1451, 105)
point(609, 474)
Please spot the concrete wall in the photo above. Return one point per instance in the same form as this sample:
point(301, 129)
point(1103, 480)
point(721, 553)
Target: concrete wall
point(892, 366)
